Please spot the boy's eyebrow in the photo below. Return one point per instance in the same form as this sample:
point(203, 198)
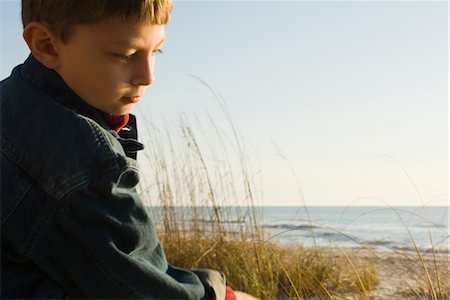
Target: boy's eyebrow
point(134, 44)
point(160, 43)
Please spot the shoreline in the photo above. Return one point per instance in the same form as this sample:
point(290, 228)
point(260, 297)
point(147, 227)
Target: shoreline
point(371, 248)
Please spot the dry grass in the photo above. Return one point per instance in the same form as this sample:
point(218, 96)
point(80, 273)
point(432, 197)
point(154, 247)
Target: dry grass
point(271, 271)
point(188, 174)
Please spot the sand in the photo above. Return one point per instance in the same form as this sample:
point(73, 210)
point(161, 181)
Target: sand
point(404, 275)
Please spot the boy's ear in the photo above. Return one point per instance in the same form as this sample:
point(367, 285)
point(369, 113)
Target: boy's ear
point(42, 43)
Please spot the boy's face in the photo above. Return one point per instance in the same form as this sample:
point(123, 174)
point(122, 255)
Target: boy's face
point(110, 64)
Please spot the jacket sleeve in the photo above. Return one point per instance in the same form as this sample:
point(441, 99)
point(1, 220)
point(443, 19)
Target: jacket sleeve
point(101, 243)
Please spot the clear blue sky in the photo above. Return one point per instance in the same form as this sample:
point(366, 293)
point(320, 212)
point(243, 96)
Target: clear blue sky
point(354, 94)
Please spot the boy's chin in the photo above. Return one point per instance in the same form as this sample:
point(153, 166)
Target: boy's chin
point(120, 111)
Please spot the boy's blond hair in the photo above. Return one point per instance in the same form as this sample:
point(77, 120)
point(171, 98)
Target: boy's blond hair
point(61, 15)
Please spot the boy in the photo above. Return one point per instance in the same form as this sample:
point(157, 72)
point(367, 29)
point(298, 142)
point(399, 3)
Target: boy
point(73, 225)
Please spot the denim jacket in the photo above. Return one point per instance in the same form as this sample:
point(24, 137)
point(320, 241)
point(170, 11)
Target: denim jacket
point(72, 222)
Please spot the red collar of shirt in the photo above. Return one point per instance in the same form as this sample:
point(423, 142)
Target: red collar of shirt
point(117, 122)
point(229, 294)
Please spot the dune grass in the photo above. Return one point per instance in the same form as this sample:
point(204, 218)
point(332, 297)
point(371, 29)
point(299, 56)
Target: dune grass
point(205, 192)
point(271, 271)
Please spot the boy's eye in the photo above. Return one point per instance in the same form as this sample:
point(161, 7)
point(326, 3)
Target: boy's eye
point(122, 57)
point(127, 57)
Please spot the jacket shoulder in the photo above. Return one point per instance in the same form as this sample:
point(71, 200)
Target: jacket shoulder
point(58, 147)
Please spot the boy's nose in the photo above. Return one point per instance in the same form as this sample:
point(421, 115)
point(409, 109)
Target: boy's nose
point(144, 73)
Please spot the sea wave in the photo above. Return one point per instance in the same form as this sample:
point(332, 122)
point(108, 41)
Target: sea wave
point(441, 226)
point(290, 226)
point(292, 232)
point(422, 250)
point(378, 243)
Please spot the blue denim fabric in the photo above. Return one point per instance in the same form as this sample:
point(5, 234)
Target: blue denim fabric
point(72, 223)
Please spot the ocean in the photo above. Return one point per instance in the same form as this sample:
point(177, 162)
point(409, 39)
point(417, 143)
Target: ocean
point(385, 229)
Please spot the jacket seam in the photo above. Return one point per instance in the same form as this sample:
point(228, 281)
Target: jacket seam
point(53, 206)
point(73, 182)
point(98, 261)
point(18, 202)
point(39, 229)
point(100, 135)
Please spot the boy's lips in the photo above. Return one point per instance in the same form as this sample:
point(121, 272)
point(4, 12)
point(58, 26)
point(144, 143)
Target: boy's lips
point(128, 100)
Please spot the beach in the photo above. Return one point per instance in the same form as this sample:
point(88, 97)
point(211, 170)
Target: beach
point(332, 253)
point(398, 275)
point(402, 275)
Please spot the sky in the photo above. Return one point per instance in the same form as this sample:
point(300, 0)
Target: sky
point(337, 103)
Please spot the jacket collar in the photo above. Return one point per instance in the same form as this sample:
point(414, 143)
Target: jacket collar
point(51, 83)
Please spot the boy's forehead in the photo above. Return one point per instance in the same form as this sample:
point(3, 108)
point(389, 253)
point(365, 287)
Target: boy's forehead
point(132, 42)
point(128, 33)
